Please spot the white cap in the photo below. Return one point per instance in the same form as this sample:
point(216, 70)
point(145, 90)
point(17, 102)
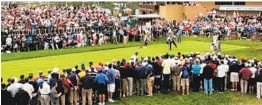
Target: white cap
point(226, 56)
point(55, 69)
point(246, 64)
point(73, 69)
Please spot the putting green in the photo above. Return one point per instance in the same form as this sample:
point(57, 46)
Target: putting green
point(33, 65)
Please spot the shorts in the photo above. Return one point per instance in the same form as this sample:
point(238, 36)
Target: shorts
point(184, 82)
point(234, 77)
point(252, 82)
point(111, 87)
point(101, 89)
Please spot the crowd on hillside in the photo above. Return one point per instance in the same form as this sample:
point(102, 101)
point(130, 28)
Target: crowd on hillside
point(106, 82)
point(55, 27)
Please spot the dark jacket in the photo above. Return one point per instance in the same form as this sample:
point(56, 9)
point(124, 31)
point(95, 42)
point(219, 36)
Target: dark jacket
point(22, 97)
point(7, 98)
point(140, 72)
point(259, 77)
point(87, 82)
point(208, 72)
point(123, 72)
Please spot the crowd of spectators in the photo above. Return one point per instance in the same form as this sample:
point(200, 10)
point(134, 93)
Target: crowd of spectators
point(214, 23)
point(44, 27)
point(106, 82)
point(55, 27)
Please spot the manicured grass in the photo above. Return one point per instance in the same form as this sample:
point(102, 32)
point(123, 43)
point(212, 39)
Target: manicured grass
point(25, 66)
point(44, 53)
point(194, 98)
point(69, 57)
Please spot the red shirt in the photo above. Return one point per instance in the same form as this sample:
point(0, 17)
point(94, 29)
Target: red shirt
point(246, 73)
point(214, 66)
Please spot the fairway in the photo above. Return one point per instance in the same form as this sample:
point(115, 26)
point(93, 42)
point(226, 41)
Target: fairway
point(33, 65)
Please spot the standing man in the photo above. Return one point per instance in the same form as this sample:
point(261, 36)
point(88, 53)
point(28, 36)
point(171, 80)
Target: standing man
point(176, 70)
point(259, 84)
point(150, 78)
point(196, 75)
point(222, 70)
point(101, 80)
point(185, 74)
point(208, 75)
point(74, 87)
point(166, 64)
point(111, 74)
point(245, 75)
point(87, 86)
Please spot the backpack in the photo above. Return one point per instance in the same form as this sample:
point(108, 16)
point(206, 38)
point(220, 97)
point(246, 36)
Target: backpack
point(185, 73)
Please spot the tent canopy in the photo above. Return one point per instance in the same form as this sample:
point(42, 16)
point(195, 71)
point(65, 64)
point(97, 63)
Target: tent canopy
point(146, 16)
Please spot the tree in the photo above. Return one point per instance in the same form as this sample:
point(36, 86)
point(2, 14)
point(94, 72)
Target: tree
point(107, 5)
point(132, 5)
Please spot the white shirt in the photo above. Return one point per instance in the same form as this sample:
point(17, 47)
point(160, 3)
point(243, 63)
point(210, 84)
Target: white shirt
point(8, 40)
point(166, 64)
point(13, 88)
point(221, 70)
point(133, 58)
point(202, 67)
point(29, 89)
point(45, 90)
point(253, 70)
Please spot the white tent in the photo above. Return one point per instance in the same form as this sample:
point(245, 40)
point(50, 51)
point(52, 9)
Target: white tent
point(146, 16)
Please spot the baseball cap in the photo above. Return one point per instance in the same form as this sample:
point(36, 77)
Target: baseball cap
point(82, 65)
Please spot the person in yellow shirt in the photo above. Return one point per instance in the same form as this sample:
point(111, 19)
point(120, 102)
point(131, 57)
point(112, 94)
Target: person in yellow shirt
point(83, 71)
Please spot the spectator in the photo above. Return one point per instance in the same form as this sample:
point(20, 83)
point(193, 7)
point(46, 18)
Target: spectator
point(150, 77)
point(208, 75)
point(101, 80)
point(140, 81)
point(22, 79)
point(252, 81)
point(111, 74)
point(14, 87)
point(222, 70)
point(130, 74)
point(176, 70)
point(196, 75)
point(185, 74)
point(245, 76)
point(259, 84)
point(54, 94)
point(44, 90)
point(28, 88)
point(74, 79)
point(87, 86)
point(234, 75)
point(7, 95)
point(22, 97)
point(166, 64)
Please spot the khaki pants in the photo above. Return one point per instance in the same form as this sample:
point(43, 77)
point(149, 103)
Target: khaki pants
point(184, 83)
point(87, 92)
point(124, 86)
point(259, 89)
point(45, 100)
point(125, 39)
point(243, 84)
point(62, 98)
point(130, 86)
point(73, 97)
point(150, 84)
point(176, 82)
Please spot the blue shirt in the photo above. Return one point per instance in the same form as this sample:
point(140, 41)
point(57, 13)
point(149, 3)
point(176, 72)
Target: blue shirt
point(196, 69)
point(111, 76)
point(101, 78)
